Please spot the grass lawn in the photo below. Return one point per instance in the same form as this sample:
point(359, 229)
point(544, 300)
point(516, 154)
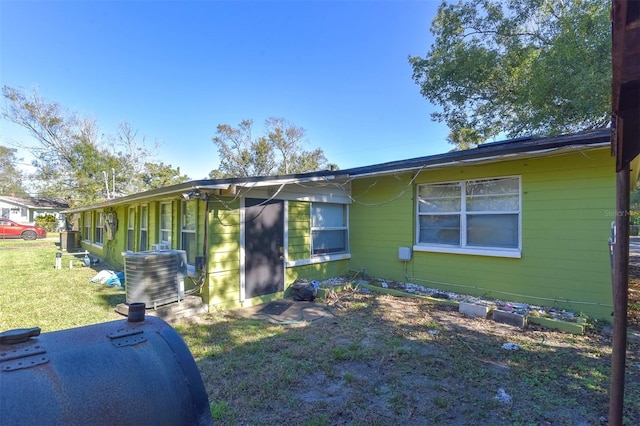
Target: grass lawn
point(35, 294)
point(376, 360)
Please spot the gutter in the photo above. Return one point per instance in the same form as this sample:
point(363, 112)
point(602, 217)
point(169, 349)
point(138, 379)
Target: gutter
point(207, 185)
point(491, 152)
point(481, 160)
point(151, 194)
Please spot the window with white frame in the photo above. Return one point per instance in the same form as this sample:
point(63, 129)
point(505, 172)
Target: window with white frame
point(165, 222)
point(99, 236)
point(144, 217)
point(473, 214)
point(188, 230)
point(131, 224)
point(329, 229)
point(86, 226)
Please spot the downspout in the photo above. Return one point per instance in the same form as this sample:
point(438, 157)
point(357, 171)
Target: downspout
point(206, 231)
point(203, 272)
point(205, 242)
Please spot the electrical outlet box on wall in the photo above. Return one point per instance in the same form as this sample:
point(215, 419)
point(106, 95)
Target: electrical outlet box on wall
point(404, 253)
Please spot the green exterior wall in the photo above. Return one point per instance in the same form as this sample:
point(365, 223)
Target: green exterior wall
point(112, 249)
point(568, 204)
point(299, 246)
point(223, 251)
point(316, 271)
point(223, 284)
point(223, 257)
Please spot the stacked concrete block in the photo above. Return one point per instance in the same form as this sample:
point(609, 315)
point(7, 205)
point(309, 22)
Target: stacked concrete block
point(510, 317)
point(474, 309)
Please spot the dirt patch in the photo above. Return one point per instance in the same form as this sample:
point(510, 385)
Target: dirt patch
point(386, 360)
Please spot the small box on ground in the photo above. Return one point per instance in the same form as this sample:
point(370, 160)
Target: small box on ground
point(474, 309)
point(510, 318)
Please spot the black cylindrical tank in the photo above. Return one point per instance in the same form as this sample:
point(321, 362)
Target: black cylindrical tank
point(130, 372)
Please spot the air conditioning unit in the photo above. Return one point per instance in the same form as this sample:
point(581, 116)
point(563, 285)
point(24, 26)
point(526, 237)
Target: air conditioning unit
point(164, 245)
point(155, 277)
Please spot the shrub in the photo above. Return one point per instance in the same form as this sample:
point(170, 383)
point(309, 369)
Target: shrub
point(48, 222)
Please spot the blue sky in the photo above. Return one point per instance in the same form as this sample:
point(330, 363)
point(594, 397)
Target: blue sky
point(177, 69)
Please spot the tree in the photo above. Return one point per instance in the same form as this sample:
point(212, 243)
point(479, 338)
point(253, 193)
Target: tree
point(279, 151)
point(518, 67)
point(11, 182)
point(287, 139)
point(159, 175)
point(73, 159)
point(135, 155)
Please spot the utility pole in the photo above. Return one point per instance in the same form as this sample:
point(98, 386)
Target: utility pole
point(106, 182)
point(625, 146)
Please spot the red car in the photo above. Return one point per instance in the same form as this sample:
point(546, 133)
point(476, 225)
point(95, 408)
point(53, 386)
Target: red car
point(11, 229)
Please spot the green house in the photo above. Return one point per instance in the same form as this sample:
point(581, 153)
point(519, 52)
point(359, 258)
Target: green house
point(525, 220)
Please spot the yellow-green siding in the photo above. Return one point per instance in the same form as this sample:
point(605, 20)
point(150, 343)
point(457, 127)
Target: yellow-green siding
point(223, 257)
point(299, 246)
point(112, 249)
point(568, 204)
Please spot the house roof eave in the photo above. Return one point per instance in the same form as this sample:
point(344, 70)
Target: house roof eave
point(154, 193)
point(210, 185)
point(28, 203)
point(487, 153)
point(456, 161)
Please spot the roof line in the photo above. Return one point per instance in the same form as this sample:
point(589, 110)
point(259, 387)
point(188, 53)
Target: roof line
point(515, 147)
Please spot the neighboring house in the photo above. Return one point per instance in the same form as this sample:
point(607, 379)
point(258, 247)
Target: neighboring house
point(524, 220)
point(25, 210)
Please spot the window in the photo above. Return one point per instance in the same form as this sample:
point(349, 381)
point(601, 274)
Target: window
point(143, 228)
point(87, 226)
point(469, 215)
point(131, 224)
point(329, 231)
point(188, 231)
point(99, 228)
point(165, 222)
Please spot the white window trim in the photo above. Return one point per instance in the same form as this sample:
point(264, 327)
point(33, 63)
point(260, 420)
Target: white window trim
point(320, 258)
point(160, 229)
point(99, 220)
point(188, 231)
point(144, 219)
point(476, 251)
point(515, 253)
point(87, 237)
point(131, 227)
point(333, 256)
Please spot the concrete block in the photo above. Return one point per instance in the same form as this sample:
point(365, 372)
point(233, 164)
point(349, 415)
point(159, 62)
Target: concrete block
point(474, 309)
point(510, 318)
point(567, 327)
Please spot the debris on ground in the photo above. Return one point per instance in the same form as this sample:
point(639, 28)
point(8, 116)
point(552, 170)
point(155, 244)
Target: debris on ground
point(109, 278)
point(511, 346)
point(503, 396)
point(420, 290)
